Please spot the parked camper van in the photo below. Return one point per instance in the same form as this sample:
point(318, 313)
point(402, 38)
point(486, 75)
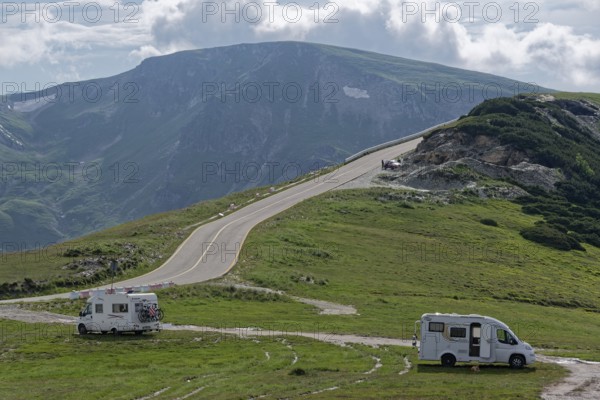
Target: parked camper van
point(120, 312)
point(463, 338)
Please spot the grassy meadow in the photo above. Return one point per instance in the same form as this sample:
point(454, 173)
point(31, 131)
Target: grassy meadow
point(202, 365)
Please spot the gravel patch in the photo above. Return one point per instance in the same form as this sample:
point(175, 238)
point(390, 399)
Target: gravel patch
point(16, 313)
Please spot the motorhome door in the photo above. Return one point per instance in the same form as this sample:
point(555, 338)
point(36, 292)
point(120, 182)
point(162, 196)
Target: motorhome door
point(475, 340)
point(429, 346)
point(486, 341)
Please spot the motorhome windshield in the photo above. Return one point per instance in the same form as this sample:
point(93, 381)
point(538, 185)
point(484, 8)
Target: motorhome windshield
point(87, 310)
point(506, 337)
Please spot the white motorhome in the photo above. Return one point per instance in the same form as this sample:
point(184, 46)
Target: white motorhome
point(452, 337)
point(120, 312)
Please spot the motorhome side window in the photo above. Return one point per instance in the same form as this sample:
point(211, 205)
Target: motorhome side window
point(436, 327)
point(458, 332)
point(119, 308)
point(99, 308)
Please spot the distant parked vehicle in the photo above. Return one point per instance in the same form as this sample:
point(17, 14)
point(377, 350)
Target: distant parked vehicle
point(391, 164)
point(452, 337)
point(120, 312)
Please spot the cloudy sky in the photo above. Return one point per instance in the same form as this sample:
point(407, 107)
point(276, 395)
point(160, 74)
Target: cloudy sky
point(551, 43)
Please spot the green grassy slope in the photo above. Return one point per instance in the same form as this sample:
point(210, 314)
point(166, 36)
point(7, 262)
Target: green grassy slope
point(593, 97)
point(140, 246)
point(551, 133)
point(131, 367)
point(394, 263)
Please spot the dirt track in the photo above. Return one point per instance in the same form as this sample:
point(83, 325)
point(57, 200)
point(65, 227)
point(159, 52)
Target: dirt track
point(582, 384)
point(15, 313)
point(326, 307)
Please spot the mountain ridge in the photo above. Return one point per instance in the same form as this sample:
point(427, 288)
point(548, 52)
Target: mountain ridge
point(200, 124)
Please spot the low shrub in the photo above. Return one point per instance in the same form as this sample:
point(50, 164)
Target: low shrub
point(489, 222)
point(549, 236)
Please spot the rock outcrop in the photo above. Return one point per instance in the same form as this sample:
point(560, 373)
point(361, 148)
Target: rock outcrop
point(450, 159)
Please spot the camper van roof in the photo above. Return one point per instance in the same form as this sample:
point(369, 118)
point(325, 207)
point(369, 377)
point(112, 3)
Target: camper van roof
point(454, 315)
point(121, 295)
point(448, 316)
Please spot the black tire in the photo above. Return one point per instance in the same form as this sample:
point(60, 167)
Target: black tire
point(448, 360)
point(139, 332)
point(160, 314)
point(517, 361)
point(114, 331)
point(82, 329)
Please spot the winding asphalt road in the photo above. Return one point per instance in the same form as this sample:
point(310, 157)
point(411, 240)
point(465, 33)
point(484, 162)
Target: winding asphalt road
point(212, 249)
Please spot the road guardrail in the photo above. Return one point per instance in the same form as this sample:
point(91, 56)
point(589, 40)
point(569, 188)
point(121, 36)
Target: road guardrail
point(395, 142)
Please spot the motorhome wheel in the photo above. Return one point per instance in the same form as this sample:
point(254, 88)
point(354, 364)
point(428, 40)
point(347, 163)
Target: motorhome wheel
point(448, 360)
point(517, 361)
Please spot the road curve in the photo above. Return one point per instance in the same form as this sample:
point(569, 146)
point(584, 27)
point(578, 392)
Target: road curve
point(212, 249)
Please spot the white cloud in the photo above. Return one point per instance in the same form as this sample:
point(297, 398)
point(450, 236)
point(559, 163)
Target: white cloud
point(145, 51)
point(561, 50)
point(47, 38)
point(554, 53)
point(21, 46)
point(364, 7)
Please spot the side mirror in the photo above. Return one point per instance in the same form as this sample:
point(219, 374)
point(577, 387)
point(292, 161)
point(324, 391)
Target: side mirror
point(81, 313)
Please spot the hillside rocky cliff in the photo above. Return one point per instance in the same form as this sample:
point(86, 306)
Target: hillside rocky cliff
point(451, 158)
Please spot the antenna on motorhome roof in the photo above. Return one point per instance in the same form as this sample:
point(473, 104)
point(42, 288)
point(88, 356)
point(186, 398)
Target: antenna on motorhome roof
point(114, 264)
